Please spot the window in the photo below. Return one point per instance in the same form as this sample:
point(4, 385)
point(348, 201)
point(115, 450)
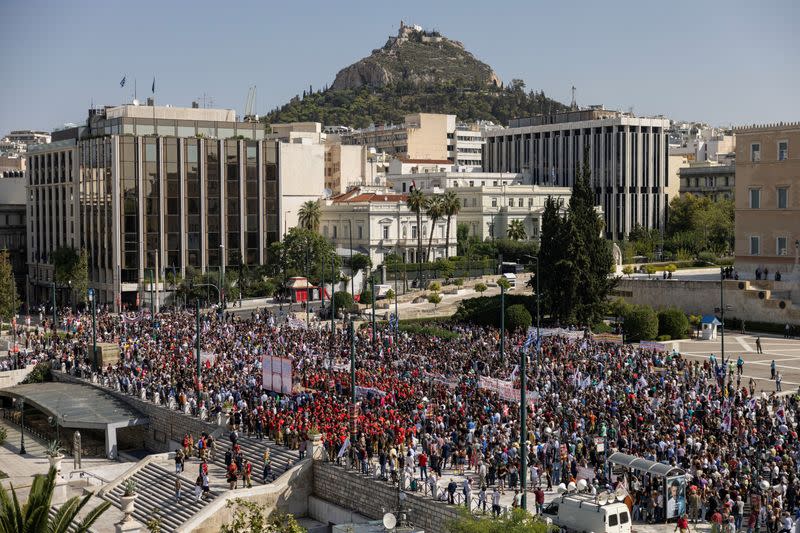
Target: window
point(780, 245)
point(612, 520)
point(783, 197)
point(755, 198)
point(755, 152)
point(755, 244)
point(360, 232)
point(413, 232)
point(325, 231)
point(521, 202)
point(494, 202)
point(783, 150)
point(335, 232)
point(471, 183)
point(623, 517)
point(510, 202)
point(386, 232)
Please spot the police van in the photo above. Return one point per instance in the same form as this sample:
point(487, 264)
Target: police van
point(579, 513)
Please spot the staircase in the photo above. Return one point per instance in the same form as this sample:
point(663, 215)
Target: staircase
point(765, 300)
point(33, 445)
point(253, 450)
point(156, 492)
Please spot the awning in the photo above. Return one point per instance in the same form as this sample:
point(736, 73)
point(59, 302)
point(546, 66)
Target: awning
point(644, 465)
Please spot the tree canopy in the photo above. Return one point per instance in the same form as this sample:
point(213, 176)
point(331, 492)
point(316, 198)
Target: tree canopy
point(9, 302)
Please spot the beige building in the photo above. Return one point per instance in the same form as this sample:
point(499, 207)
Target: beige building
point(768, 199)
point(348, 166)
point(708, 179)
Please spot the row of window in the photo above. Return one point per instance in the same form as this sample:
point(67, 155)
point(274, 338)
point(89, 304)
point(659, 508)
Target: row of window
point(710, 181)
point(781, 197)
point(782, 153)
point(781, 245)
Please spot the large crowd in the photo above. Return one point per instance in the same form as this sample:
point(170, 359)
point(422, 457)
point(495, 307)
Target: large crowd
point(422, 407)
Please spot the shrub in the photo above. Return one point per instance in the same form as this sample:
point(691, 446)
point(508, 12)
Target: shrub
point(459, 282)
point(485, 310)
point(434, 298)
point(662, 338)
point(641, 324)
point(390, 294)
point(651, 269)
point(343, 301)
point(601, 327)
point(672, 323)
point(425, 328)
point(480, 287)
point(434, 286)
point(39, 374)
point(503, 282)
point(627, 270)
point(366, 297)
point(517, 317)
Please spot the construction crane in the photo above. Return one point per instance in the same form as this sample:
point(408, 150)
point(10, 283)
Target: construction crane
point(250, 104)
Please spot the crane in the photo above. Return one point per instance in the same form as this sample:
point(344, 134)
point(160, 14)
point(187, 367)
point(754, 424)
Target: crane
point(250, 104)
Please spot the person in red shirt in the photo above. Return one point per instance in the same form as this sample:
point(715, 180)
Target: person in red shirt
point(683, 524)
point(422, 460)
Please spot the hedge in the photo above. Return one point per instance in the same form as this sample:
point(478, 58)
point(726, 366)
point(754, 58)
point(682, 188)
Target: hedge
point(641, 324)
point(518, 318)
point(429, 331)
point(672, 323)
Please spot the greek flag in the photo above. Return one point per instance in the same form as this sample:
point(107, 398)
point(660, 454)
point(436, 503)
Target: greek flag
point(393, 321)
point(122, 81)
point(530, 340)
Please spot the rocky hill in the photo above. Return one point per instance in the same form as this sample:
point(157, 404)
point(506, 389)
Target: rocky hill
point(416, 71)
point(419, 57)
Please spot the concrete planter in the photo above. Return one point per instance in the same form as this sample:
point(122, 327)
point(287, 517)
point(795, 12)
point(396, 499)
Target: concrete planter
point(55, 461)
point(126, 505)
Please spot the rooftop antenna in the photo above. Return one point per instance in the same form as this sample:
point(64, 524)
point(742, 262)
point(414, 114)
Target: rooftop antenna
point(573, 106)
point(206, 101)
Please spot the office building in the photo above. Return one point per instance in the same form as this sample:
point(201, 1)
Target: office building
point(159, 187)
point(377, 222)
point(349, 166)
point(768, 199)
point(12, 225)
point(627, 159)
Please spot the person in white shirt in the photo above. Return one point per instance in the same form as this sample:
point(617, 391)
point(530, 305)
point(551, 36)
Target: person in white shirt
point(496, 502)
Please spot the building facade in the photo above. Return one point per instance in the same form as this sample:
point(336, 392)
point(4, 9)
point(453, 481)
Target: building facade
point(717, 182)
point(13, 227)
point(489, 201)
point(768, 199)
point(627, 158)
point(146, 187)
point(380, 223)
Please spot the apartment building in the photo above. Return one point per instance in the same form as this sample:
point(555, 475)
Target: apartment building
point(426, 136)
point(146, 188)
point(348, 166)
point(13, 225)
point(627, 158)
point(768, 199)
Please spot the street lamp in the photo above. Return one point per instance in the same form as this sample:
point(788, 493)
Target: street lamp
point(721, 307)
point(222, 275)
point(21, 406)
point(94, 324)
point(372, 292)
point(523, 401)
point(352, 333)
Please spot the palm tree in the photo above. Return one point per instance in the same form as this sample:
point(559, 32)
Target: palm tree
point(309, 215)
point(416, 203)
point(516, 230)
point(435, 211)
point(34, 515)
point(451, 205)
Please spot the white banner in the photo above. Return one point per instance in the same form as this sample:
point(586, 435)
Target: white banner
point(277, 374)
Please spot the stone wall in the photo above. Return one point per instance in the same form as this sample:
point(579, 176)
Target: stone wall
point(742, 298)
point(9, 378)
point(373, 498)
point(165, 425)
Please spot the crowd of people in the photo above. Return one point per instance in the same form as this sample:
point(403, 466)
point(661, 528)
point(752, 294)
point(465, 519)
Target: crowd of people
point(423, 408)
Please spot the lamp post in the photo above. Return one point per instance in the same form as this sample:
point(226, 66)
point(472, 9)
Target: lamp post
point(352, 273)
point(352, 333)
point(222, 275)
point(721, 307)
point(197, 344)
point(21, 403)
point(523, 400)
point(372, 292)
point(308, 292)
point(502, 319)
point(55, 318)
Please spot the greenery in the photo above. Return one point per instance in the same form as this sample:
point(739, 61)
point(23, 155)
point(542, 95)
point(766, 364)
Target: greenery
point(517, 521)
point(575, 260)
point(309, 214)
point(505, 248)
point(417, 203)
point(389, 104)
point(154, 524)
point(459, 282)
point(129, 486)
point(40, 374)
point(485, 310)
point(480, 288)
point(287, 258)
point(434, 286)
point(9, 301)
point(390, 294)
point(343, 301)
point(516, 230)
point(72, 270)
point(518, 318)
point(54, 449)
point(33, 516)
point(451, 206)
point(673, 323)
point(435, 210)
point(249, 517)
point(627, 270)
point(641, 323)
point(427, 329)
point(3, 434)
point(663, 338)
point(434, 298)
point(503, 283)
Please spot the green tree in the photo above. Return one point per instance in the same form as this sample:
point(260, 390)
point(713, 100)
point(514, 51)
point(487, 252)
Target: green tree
point(556, 266)
point(435, 299)
point(343, 301)
point(390, 294)
point(517, 521)
point(673, 322)
point(503, 282)
point(33, 516)
point(641, 323)
point(9, 302)
point(287, 258)
point(627, 270)
point(361, 262)
point(71, 268)
point(518, 318)
point(248, 517)
point(434, 210)
point(462, 238)
point(516, 230)
point(591, 252)
point(309, 215)
point(480, 288)
point(416, 203)
point(451, 206)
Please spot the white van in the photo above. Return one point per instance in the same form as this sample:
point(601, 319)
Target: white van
point(581, 514)
point(511, 279)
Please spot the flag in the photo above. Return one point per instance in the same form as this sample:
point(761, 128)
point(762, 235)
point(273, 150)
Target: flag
point(529, 340)
point(153, 88)
point(122, 81)
point(513, 373)
point(343, 449)
point(552, 173)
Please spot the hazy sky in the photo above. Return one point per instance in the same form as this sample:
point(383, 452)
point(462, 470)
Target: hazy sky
point(721, 61)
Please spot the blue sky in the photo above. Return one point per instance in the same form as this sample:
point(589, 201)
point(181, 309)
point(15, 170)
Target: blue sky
point(723, 62)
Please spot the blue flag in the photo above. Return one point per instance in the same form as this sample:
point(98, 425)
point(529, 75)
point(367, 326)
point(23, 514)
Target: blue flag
point(122, 81)
point(153, 88)
point(529, 341)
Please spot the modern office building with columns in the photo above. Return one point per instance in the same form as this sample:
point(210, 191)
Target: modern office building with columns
point(151, 187)
point(627, 157)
